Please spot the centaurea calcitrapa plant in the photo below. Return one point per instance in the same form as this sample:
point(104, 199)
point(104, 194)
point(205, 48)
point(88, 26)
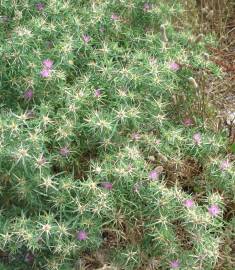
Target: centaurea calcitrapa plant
point(94, 148)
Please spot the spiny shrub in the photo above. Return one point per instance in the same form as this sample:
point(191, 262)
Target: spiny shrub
point(94, 141)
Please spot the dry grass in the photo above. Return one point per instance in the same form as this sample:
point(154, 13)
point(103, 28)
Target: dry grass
point(218, 16)
point(216, 97)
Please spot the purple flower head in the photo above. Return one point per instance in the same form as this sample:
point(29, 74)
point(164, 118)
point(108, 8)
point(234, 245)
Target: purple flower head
point(39, 6)
point(187, 122)
point(107, 185)
point(214, 210)
point(97, 93)
point(86, 38)
point(188, 203)
point(47, 63)
point(153, 175)
point(174, 66)
point(197, 138)
point(28, 94)
point(175, 264)
point(29, 257)
point(225, 165)
point(64, 151)
point(147, 7)
point(135, 136)
point(115, 17)
point(81, 235)
point(45, 73)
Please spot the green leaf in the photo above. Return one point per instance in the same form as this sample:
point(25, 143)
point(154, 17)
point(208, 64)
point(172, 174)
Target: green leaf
point(233, 148)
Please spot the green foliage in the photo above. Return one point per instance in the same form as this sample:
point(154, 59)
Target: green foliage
point(92, 134)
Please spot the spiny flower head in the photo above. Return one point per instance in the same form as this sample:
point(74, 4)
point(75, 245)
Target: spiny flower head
point(147, 7)
point(81, 235)
point(153, 175)
point(114, 17)
point(107, 185)
point(40, 6)
point(48, 63)
point(188, 203)
point(224, 165)
point(97, 93)
point(197, 138)
point(45, 73)
point(64, 151)
point(86, 38)
point(214, 210)
point(187, 122)
point(174, 66)
point(135, 136)
point(28, 94)
point(175, 264)
point(29, 257)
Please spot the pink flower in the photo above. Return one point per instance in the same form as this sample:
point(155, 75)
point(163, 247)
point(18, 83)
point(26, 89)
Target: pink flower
point(64, 151)
point(175, 264)
point(197, 138)
point(39, 6)
point(214, 210)
point(147, 7)
point(97, 93)
point(29, 257)
point(187, 122)
point(188, 203)
point(81, 235)
point(107, 185)
point(28, 94)
point(45, 73)
point(153, 175)
point(86, 38)
point(135, 136)
point(48, 63)
point(225, 165)
point(115, 17)
point(174, 66)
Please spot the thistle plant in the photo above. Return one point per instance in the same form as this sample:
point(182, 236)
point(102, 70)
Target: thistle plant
point(93, 135)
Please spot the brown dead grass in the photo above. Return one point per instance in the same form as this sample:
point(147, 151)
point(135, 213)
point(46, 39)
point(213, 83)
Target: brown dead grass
point(218, 16)
point(183, 173)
